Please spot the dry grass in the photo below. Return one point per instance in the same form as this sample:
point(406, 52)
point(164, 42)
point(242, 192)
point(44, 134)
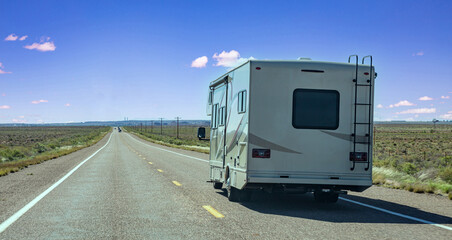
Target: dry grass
point(392, 178)
point(186, 141)
point(17, 165)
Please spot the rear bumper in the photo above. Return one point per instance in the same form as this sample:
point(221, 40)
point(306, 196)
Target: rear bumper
point(327, 179)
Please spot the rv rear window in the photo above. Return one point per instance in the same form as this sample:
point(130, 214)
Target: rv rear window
point(315, 109)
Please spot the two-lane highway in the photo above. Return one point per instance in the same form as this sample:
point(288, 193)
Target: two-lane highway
point(133, 189)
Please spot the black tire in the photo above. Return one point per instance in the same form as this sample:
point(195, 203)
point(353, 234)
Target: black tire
point(233, 194)
point(325, 197)
point(217, 185)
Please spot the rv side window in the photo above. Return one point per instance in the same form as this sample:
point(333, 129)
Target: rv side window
point(221, 116)
point(315, 109)
point(214, 121)
point(210, 97)
point(241, 101)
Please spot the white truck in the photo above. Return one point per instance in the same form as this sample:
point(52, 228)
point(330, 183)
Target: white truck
point(295, 126)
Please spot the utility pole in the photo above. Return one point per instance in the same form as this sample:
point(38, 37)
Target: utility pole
point(177, 129)
point(141, 128)
point(434, 123)
point(161, 126)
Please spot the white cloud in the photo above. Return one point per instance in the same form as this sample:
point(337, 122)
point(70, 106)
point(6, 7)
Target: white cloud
point(425, 98)
point(445, 97)
point(229, 59)
point(447, 116)
point(15, 120)
point(43, 47)
point(418, 111)
point(379, 106)
point(420, 53)
point(5, 107)
point(39, 101)
point(1, 69)
point(11, 37)
point(226, 59)
point(67, 104)
point(23, 38)
point(200, 62)
point(401, 103)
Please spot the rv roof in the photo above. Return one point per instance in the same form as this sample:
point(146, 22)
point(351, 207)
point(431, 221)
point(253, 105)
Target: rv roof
point(221, 78)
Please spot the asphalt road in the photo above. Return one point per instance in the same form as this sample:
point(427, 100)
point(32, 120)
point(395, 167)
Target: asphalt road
point(119, 194)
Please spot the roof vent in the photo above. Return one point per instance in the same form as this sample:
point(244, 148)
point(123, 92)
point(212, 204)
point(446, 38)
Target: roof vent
point(304, 59)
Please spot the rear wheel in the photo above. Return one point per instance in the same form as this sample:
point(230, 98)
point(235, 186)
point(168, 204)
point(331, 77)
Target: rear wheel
point(233, 194)
point(326, 197)
point(217, 185)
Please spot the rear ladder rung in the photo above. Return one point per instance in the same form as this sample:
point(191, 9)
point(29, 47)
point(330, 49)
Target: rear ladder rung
point(356, 103)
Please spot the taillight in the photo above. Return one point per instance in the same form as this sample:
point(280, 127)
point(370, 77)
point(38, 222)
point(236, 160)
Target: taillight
point(261, 153)
point(358, 156)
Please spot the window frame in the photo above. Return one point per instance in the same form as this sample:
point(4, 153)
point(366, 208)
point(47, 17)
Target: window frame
point(214, 120)
point(241, 102)
point(294, 107)
point(221, 114)
point(210, 99)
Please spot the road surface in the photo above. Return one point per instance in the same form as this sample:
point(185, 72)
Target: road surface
point(127, 188)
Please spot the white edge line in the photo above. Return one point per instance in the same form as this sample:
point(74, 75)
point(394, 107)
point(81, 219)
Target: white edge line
point(348, 200)
point(397, 214)
point(180, 154)
point(27, 207)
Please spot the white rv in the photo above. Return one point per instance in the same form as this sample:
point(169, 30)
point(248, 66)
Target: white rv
point(299, 126)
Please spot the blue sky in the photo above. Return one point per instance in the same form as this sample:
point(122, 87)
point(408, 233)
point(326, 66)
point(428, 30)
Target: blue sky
point(105, 60)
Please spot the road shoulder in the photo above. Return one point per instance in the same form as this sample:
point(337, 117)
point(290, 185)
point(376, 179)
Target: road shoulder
point(18, 189)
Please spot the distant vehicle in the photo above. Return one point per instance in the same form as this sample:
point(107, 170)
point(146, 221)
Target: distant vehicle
point(295, 126)
point(119, 129)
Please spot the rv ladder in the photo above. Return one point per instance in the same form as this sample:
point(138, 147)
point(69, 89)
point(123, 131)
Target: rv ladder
point(369, 113)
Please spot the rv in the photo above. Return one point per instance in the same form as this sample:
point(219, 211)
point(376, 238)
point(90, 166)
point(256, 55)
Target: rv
point(294, 126)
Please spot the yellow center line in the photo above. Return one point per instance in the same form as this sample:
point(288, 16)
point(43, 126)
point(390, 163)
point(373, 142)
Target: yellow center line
point(177, 183)
point(160, 170)
point(212, 211)
point(144, 158)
